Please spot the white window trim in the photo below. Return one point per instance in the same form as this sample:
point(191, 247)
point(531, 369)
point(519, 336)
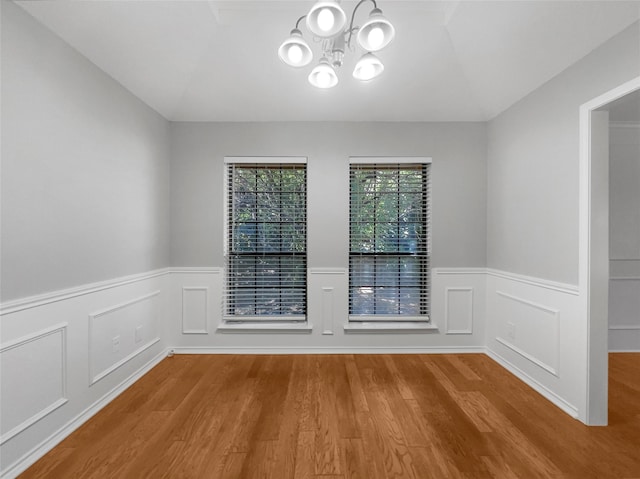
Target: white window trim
point(265, 159)
point(258, 324)
point(264, 319)
point(390, 327)
point(393, 160)
point(258, 327)
point(381, 318)
point(385, 324)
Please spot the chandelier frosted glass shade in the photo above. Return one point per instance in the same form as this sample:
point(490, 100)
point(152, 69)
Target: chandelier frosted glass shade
point(326, 19)
point(376, 33)
point(323, 75)
point(368, 67)
point(294, 51)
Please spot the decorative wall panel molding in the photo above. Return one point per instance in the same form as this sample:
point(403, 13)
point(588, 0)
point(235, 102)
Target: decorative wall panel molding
point(195, 310)
point(534, 332)
point(458, 310)
point(33, 379)
point(327, 310)
point(327, 299)
point(115, 334)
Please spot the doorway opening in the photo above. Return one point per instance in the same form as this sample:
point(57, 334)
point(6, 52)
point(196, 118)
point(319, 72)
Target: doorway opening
point(594, 234)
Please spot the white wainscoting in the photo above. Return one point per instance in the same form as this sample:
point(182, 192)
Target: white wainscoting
point(328, 297)
point(195, 298)
point(33, 379)
point(530, 331)
point(57, 358)
point(539, 325)
point(121, 332)
point(458, 303)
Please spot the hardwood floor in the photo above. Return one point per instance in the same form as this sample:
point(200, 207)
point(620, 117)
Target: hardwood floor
point(348, 416)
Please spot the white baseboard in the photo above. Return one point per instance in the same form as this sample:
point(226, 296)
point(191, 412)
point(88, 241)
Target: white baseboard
point(44, 447)
point(568, 408)
point(334, 350)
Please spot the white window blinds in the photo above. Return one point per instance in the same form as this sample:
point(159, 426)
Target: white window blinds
point(266, 241)
point(389, 241)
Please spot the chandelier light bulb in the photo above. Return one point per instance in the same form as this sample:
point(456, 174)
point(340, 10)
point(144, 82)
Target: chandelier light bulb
point(326, 20)
point(324, 79)
point(323, 76)
point(294, 54)
point(294, 51)
point(375, 38)
point(367, 72)
point(376, 33)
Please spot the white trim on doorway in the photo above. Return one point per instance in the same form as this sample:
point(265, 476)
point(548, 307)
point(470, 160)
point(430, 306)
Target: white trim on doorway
point(596, 342)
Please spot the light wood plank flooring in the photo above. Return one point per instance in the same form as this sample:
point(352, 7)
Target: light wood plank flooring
point(348, 416)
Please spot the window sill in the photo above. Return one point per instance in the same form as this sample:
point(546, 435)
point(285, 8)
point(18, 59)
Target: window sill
point(263, 327)
point(390, 327)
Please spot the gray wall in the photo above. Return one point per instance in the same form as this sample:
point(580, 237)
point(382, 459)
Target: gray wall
point(85, 168)
point(624, 237)
point(458, 183)
point(624, 199)
point(533, 147)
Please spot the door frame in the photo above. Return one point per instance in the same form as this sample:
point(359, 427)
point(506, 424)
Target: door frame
point(592, 251)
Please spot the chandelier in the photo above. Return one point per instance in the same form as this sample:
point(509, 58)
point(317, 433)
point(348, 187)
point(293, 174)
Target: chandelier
point(327, 22)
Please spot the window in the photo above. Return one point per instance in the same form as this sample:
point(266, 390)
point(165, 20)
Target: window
point(266, 239)
point(389, 240)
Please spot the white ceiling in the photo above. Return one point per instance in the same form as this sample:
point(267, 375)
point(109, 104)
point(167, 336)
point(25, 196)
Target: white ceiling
point(217, 60)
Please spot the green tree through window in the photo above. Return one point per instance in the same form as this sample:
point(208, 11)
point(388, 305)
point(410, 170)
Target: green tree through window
point(266, 240)
point(389, 241)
